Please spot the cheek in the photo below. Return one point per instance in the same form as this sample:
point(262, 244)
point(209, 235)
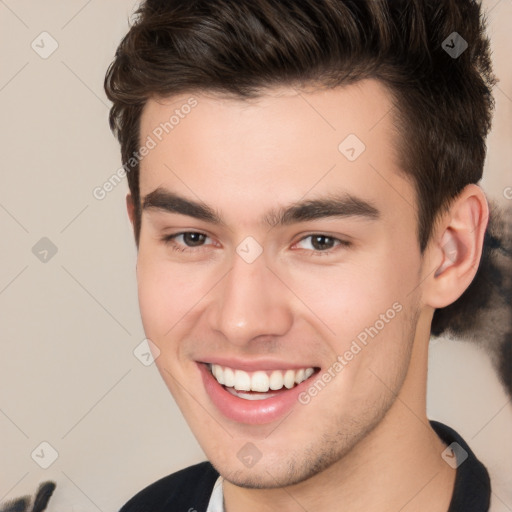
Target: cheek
point(363, 301)
point(346, 300)
point(167, 295)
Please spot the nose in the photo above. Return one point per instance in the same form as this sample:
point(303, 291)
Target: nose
point(250, 302)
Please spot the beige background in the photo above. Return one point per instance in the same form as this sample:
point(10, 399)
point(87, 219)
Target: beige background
point(68, 375)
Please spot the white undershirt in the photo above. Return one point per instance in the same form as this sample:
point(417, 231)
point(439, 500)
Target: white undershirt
point(216, 503)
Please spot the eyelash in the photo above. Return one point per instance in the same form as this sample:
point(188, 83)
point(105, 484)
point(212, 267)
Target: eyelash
point(170, 241)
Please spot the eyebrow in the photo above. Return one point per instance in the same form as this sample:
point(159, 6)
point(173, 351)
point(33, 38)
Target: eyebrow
point(342, 205)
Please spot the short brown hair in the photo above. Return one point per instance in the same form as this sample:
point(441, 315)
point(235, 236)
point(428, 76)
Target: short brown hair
point(240, 47)
point(443, 100)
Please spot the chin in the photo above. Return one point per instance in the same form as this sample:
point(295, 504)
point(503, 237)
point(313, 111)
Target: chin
point(280, 472)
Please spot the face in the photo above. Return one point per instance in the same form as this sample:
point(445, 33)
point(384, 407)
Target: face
point(277, 270)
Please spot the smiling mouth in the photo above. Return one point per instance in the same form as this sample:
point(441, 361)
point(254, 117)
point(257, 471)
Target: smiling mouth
point(258, 385)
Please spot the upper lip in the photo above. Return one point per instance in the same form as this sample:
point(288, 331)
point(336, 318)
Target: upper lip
point(254, 365)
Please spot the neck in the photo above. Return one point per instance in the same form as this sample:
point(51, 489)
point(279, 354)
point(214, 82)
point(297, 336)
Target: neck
point(398, 466)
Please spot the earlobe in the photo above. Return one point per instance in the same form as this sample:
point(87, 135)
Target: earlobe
point(457, 247)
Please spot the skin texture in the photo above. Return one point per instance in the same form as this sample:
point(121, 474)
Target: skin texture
point(367, 429)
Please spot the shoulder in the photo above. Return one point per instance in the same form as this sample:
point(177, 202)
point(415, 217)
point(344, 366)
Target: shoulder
point(188, 489)
point(472, 490)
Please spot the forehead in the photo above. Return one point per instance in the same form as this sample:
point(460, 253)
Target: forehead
point(314, 113)
point(278, 147)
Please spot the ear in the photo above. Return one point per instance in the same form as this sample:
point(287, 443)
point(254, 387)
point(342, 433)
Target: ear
point(130, 207)
point(456, 247)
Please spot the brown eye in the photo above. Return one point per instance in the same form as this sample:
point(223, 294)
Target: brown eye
point(193, 239)
point(318, 242)
point(322, 242)
point(186, 240)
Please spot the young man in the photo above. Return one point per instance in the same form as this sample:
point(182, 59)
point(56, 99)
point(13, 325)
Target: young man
point(303, 192)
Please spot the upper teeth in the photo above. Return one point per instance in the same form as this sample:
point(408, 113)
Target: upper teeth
point(259, 381)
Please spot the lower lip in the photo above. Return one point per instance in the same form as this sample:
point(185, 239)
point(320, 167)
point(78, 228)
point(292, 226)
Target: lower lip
point(253, 412)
